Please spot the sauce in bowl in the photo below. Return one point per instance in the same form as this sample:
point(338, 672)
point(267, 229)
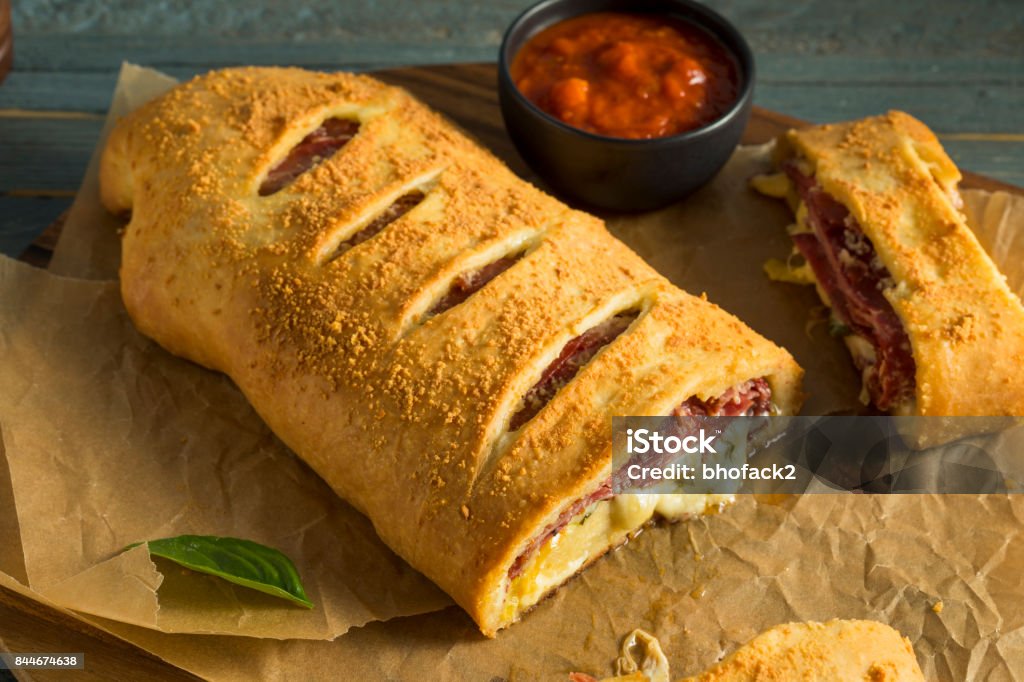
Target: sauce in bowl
point(636, 76)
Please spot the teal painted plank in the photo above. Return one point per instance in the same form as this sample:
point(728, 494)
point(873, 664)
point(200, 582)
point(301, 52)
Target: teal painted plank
point(65, 35)
point(968, 108)
point(208, 32)
point(90, 91)
point(309, 21)
point(85, 92)
point(917, 29)
point(99, 53)
point(22, 219)
point(47, 53)
point(1000, 160)
point(45, 154)
point(849, 69)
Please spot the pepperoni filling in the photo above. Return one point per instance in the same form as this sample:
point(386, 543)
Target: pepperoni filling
point(468, 283)
point(750, 399)
point(578, 352)
point(314, 149)
point(396, 210)
point(854, 278)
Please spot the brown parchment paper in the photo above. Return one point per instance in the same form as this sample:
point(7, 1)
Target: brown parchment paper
point(702, 587)
point(109, 440)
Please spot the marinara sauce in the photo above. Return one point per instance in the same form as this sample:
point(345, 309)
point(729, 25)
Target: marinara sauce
point(628, 75)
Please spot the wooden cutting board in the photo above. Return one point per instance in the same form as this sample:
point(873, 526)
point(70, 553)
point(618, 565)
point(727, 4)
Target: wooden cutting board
point(467, 94)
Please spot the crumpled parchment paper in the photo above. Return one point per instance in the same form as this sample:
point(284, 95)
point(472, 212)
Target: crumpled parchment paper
point(110, 440)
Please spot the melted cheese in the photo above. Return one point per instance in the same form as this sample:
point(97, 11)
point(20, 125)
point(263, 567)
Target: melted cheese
point(802, 224)
point(591, 533)
point(863, 356)
point(785, 271)
point(772, 184)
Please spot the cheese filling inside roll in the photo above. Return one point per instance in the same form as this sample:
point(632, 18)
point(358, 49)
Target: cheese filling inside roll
point(440, 341)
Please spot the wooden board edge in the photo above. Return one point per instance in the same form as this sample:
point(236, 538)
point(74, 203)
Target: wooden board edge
point(107, 656)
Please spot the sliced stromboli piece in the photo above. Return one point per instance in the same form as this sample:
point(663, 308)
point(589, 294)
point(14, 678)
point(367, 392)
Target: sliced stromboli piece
point(930, 321)
point(402, 395)
point(837, 651)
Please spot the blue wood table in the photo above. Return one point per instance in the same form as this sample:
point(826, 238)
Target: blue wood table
point(958, 66)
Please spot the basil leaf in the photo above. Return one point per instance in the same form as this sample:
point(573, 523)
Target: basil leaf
point(238, 561)
point(837, 328)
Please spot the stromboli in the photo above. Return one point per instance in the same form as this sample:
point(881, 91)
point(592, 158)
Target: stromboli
point(931, 322)
point(343, 346)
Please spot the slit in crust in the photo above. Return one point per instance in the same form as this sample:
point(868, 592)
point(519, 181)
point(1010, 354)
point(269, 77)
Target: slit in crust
point(395, 210)
point(472, 281)
point(310, 152)
point(472, 271)
point(574, 355)
point(386, 207)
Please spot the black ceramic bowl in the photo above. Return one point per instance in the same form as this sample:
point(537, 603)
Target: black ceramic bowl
point(616, 173)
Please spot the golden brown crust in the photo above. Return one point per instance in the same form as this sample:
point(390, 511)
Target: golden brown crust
point(836, 651)
point(965, 326)
point(403, 416)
